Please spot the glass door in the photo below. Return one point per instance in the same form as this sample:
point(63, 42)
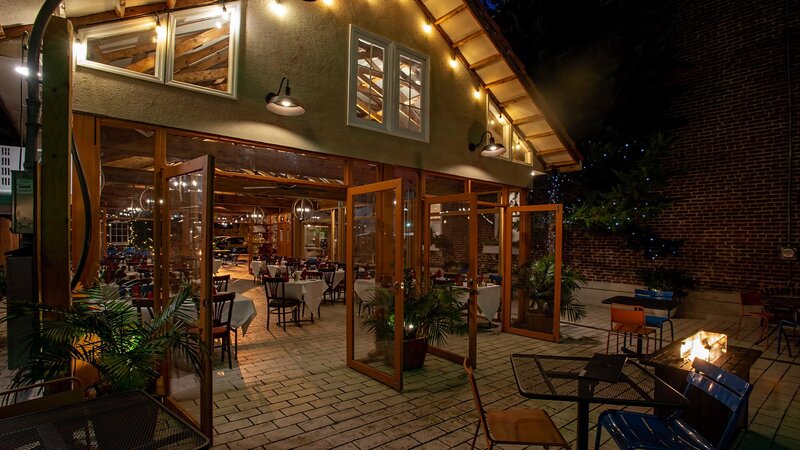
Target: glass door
point(450, 253)
point(374, 258)
point(532, 271)
point(183, 250)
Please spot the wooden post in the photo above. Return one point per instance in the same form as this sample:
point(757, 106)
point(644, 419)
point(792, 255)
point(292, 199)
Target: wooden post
point(86, 138)
point(55, 170)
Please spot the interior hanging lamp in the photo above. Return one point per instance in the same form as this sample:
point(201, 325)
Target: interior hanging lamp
point(491, 148)
point(282, 102)
point(302, 208)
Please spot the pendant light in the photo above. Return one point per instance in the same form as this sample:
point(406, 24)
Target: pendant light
point(491, 148)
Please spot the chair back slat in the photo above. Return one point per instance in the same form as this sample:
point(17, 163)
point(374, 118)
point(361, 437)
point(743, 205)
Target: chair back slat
point(627, 316)
point(274, 287)
point(476, 396)
point(223, 308)
point(220, 282)
point(723, 386)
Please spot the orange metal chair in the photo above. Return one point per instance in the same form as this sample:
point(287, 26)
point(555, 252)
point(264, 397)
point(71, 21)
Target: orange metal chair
point(526, 426)
point(751, 306)
point(627, 321)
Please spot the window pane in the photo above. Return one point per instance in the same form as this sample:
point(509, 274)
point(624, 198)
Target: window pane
point(201, 48)
point(497, 125)
point(410, 94)
point(520, 151)
point(135, 50)
point(369, 85)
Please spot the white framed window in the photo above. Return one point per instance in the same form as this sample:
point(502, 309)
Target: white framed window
point(498, 126)
point(131, 47)
point(388, 86)
point(202, 49)
point(520, 150)
point(194, 49)
point(118, 233)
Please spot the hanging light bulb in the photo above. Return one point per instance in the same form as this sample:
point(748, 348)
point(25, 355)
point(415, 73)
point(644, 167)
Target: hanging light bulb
point(161, 30)
point(277, 8)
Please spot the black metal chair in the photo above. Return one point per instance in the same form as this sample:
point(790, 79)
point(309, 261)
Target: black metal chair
point(143, 303)
point(220, 282)
point(277, 302)
point(328, 275)
point(221, 325)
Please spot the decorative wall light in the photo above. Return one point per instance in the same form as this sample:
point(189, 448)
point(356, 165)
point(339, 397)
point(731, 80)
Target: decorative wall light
point(257, 216)
point(302, 208)
point(283, 103)
point(491, 148)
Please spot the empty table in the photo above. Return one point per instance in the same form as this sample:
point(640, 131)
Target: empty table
point(309, 291)
point(548, 377)
point(488, 299)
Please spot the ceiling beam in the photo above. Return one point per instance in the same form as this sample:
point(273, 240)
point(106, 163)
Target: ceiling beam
point(171, 4)
point(450, 14)
point(500, 81)
point(469, 37)
point(511, 101)
point(552, 151)
point(540, 135)
point(2, 33)
point(478, 65)
point(528, 119)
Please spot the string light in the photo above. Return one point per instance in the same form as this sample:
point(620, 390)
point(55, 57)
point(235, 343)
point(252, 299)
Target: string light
point(277, 8)
point(427, 27)
point(161, 30)
point(476, 94)
point(453, 63)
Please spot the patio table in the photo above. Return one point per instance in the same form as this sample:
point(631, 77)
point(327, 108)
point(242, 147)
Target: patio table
point(244, 311)
point(309, 291)
point(128, 420)
point(488, 300)
point(547, 377)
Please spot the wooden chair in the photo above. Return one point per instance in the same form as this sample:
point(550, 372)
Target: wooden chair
point(221, 325)
point(628, 321)
point(527, 426)
point(751, 306)
point(143, 303)
point(11, 407)
point(220, 282)
point(278, 303)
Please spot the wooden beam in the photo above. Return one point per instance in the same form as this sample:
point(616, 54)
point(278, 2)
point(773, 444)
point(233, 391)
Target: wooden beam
point(186, 60)
point(135, 11)
point(529, 119)
point(171, 4)
point(119, 7)
point(511, 101)
point(129, 52)
point(486, 61)
point(16, 31)
point(54, 206)
point(2, 33)
point(540, 135)
point(450, 14)
point(469, 37)
point(500, 81)
point(551, 151)
point(199, 76)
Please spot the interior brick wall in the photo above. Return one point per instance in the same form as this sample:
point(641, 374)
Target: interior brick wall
point(731, 160)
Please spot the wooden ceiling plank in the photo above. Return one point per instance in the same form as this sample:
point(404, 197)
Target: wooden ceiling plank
point(188, 59)
point(476, 34)
point(500, 81)
point(478, 65)
point(198, 76)
point(551, 151)
point(171, 4)
point(450, 14)
point(540, 135)
point(134, 11)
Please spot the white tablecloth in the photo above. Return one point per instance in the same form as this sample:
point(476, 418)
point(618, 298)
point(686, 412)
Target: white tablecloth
point(488, 300)
point(365, 290)
point(216, 265)
point(309, 291)
point(256, 266)
point(338, 277)
point(273, 268)
point(244, 311)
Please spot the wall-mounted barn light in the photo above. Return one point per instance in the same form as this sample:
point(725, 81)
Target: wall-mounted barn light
point(283, 103)
point(491, 148)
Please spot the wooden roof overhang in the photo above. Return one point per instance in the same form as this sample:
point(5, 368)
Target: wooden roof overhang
point(476, 40)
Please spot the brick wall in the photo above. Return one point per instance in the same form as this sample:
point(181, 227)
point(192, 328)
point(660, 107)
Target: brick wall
point(731, 159)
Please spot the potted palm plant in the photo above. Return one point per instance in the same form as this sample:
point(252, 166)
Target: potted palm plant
point(537, 283)
point(430, 315)
point(104, 331)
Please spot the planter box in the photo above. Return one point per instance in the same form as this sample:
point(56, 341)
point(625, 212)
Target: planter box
point(491, 249)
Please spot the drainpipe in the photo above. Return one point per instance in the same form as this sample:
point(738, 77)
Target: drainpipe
point(791, 156)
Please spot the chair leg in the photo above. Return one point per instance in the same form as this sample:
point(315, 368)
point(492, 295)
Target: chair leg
point(268, 310)
point(597, 436)
point(739, 326)
point(236, 342)
point(671, 331)
point(475, 437)
point(228, 343)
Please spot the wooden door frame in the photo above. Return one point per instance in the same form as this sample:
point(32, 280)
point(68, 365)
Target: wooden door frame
point(508, 278)
point(161, 228)
point(395, 185)
point(472, 199)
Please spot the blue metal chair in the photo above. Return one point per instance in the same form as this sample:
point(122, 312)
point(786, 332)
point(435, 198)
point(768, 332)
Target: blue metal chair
point(782, 326)
point(631, 430)
point(658, 321)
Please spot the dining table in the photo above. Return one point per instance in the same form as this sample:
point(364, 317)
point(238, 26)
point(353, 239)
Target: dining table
point(562, 378)
point(309, 292)
point(122, 421)
point(244, 311)
point(488, 299)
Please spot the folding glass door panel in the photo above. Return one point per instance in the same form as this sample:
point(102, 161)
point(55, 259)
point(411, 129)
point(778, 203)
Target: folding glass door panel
point(184, 226)
point(374, 259)
point(451, 261)
point(532, 271)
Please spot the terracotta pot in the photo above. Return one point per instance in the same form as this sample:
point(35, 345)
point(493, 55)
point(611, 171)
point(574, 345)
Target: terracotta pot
point(540, 322)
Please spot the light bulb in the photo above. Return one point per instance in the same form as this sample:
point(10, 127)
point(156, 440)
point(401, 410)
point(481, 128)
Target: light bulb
point(277, 8)
point(453, 63)
point(327, 2)
point(224, 14)
point(161, 31)
point(476, 94)
point(427, 27)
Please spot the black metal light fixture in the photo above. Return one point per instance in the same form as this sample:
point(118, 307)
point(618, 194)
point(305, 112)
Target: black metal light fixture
point(283, 103)
point(491, 148)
